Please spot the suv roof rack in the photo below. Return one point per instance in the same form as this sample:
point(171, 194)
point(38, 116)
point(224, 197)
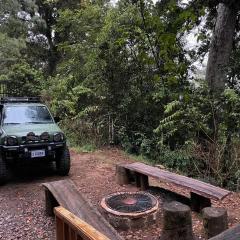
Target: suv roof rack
point(20, 100)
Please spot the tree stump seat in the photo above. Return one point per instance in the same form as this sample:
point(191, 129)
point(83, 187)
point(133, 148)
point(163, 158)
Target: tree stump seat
point(215, 221)
point(201, 192)
point(177, 222)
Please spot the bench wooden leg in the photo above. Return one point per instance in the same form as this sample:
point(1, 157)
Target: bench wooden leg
point(199, 202)
point(50, 203)
point(137, 177)
point(141, 181)
point(144, 184)
point(122, 175)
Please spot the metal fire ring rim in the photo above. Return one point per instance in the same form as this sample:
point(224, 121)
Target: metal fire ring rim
point(130, 215)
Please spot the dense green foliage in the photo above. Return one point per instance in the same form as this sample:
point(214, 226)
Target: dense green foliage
point(123, 75)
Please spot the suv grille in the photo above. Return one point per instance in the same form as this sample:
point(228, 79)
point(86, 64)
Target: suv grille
point(35, 140)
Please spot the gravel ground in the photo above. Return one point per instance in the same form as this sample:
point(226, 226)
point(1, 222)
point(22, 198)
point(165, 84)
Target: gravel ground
point(22, 214)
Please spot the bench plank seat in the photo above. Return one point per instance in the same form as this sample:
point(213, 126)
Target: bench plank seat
point(195, 186)
point(66, 194)
point(230, 234)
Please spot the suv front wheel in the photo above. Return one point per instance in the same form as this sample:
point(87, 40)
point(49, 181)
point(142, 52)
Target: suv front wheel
point(3, 171)
point(63, 162)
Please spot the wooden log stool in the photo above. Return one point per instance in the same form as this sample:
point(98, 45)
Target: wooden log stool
point(215, 221)
point(177, 222)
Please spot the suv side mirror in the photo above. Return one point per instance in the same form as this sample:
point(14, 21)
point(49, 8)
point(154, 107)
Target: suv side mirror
point(57, 119)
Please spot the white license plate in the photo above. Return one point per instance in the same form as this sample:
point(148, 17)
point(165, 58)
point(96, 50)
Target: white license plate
point(38, 153)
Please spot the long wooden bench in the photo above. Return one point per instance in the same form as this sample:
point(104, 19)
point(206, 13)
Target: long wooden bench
point(230, 234)
point(66, 194)
point(201, 192)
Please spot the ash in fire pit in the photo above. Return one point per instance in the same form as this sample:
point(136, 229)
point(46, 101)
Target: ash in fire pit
point(126, 210)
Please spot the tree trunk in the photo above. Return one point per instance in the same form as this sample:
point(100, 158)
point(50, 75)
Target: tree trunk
point(221, 47)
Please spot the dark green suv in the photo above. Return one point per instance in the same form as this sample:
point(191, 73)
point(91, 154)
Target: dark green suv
point(28, 132)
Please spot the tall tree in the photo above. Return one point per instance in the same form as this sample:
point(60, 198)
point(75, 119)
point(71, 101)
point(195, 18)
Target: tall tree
point(221, 45)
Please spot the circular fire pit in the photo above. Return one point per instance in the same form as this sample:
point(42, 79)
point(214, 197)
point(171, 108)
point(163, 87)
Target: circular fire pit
point(127, 210)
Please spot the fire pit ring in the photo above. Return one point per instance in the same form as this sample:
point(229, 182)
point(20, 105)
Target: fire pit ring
point(127, 210)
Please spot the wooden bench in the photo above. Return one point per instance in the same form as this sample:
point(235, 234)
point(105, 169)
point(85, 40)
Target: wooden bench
point(66, 194)
point(230, 234)
point(201, 192)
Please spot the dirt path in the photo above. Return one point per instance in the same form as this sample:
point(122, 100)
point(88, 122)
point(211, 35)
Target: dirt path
point(22, 213)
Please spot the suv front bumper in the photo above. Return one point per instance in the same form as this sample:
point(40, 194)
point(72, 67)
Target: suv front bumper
point(24, 151)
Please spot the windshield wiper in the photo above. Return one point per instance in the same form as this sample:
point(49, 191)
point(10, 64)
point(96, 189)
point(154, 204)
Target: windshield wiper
point(11, 123)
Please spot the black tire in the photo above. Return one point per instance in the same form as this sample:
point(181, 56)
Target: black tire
point(63, 162)
point(3, 171)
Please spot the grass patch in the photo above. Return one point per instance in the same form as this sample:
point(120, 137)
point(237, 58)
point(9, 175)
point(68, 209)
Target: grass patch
point(87, 148)
point(139, 158)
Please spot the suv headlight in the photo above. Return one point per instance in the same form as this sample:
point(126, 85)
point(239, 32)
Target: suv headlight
point(11, 141)
point(58, 137)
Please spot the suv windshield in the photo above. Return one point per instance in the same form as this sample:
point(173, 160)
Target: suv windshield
point(26, 114)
